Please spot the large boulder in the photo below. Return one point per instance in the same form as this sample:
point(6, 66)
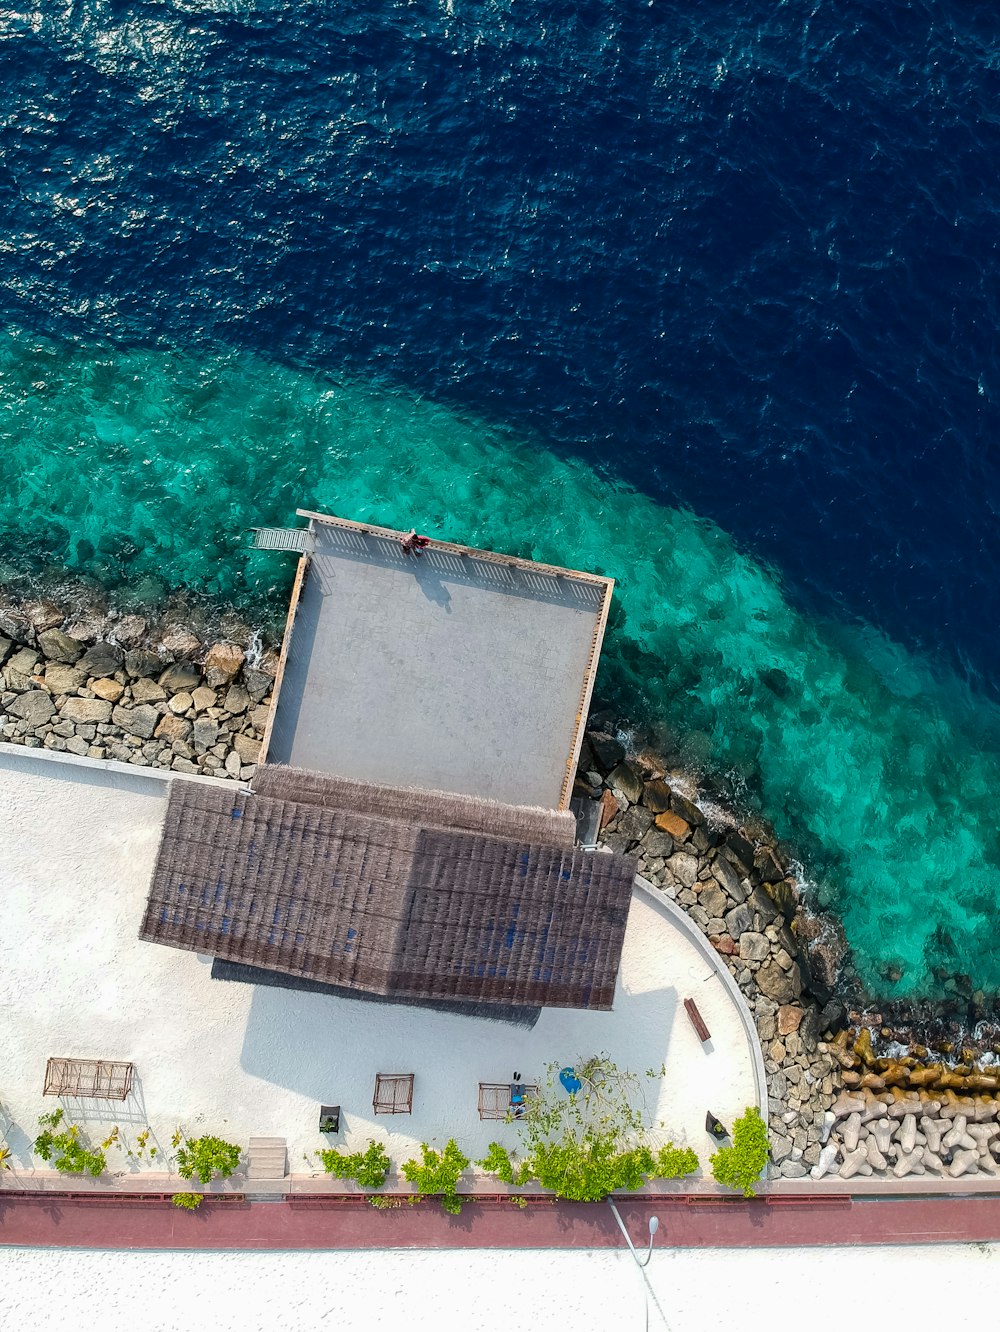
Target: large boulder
point(724, 871)
point(180, 641)
point(101, 660)
point(128, 631)
point(753, 947)
point(634, 823)
point(34, 708)
point(180, 677)
point(58, 646)
point(147, 691)
point(14, 624)
point(626, 780)
point(656, 796)
point(674, 825)
point(687, 809)
point(22, 665)
point(713, 900)
point(223, 663)
point(139, 662)
point(110, 690)
point(42, 614)
point(140, 721)
point(171, 728)
point(779, 985)
point(81, 711)
point(258, 684)
point(608, 752)
point(206, 734)
point(247, 747)
point(61, 679)
point(237, 700)
point(656, 844)
point(684, 868)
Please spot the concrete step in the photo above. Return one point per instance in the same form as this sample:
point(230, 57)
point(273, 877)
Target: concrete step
point(267, 1158)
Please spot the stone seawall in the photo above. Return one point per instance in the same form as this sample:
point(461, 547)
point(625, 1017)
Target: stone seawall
point(838, 1106)
point(118, 687)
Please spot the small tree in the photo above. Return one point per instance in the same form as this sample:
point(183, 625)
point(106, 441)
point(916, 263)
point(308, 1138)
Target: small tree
point(67, 1149)
point(585, 1145)
point(436, 1174)
point(369, 1168)
point(205, 1157)
point(740, 1166)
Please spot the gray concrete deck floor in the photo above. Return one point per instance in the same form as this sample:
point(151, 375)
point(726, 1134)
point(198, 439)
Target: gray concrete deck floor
point(447, 672)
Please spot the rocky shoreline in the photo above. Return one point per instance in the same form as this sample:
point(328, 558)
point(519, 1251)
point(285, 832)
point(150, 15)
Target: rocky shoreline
point(845, 1097)
point(118, 686)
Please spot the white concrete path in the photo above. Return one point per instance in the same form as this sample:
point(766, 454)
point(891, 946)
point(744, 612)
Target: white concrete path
point(77, 846)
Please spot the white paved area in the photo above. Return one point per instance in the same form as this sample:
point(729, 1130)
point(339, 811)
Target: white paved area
point(444, 672)
point(76, 851)
point(699, 1290)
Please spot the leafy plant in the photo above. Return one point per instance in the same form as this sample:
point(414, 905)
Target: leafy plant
point(383, 1204)
point(369, 1168)
point(67, 1150)
point(740, 1166)
point(585, 1145)
point(436, 1174)
point(205, 1157)
point(189, 1201)
point(5, 1158)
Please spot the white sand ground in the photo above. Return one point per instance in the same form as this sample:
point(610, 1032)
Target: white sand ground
point(76, 849)
point(493, 1290)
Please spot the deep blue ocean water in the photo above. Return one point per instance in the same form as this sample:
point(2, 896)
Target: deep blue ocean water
point(704, 295)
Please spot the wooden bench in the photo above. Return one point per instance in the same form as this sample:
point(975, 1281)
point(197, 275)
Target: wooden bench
point(697, 1021)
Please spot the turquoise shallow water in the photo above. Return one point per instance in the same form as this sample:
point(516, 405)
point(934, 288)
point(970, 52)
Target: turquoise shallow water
point(147, 468)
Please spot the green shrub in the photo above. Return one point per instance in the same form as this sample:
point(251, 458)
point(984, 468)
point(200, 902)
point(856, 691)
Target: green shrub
point(740, 1166)
point(369, 1168)
point(206, 1157)
point(436, 1174)
point(189, 1201)
point(67, 1151)
point(589, 1144)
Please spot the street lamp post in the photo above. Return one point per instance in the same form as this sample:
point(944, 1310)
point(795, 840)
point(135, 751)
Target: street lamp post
point(654, 1225)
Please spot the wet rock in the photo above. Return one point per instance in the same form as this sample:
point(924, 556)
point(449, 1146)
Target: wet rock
point(739, 852)
point(15, 625)
point(6, 646)
point(223, 663)
point(127, 631)
point(180, 641)
point(608, 751)
point(58, 646)
point(656, 796)
point(767, 867)
point(141, 721)
point(180, 677)
point(140, 662)
point(34, 708)
point(687, 809)
point(626, 780)
point(101, 660)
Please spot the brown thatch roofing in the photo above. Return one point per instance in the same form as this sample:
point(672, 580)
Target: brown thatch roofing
point(408, 804)
point(390, 908)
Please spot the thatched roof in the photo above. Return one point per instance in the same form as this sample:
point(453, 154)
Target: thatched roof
point(386, 907)
point(408, 804)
